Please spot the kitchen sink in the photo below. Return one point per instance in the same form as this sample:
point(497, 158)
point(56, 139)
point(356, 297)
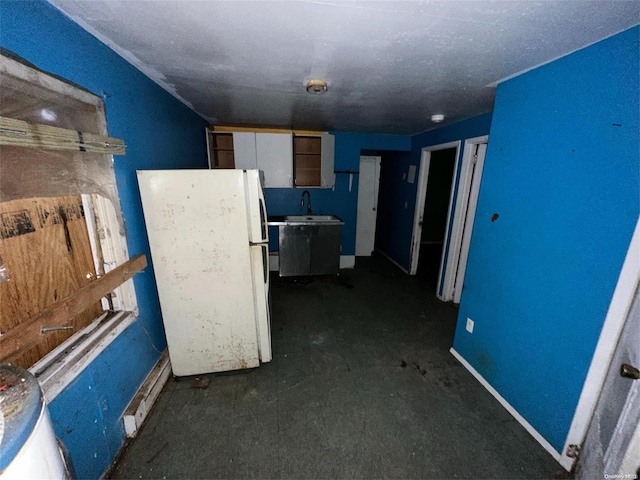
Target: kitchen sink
point(309, 245)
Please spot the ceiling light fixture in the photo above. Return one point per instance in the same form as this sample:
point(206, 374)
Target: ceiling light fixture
point(437, 118)
point(317, 87)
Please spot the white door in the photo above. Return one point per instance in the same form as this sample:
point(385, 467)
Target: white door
point(368, 186)
point(469, 214)
point(604, 431)
point(421, 196)
point(617, 414)
point(458, 238)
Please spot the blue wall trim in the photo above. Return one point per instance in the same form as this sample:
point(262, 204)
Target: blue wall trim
point(160, 132)
point(563, 173)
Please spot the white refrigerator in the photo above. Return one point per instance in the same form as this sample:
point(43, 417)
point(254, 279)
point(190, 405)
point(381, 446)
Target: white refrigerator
point(209, 248)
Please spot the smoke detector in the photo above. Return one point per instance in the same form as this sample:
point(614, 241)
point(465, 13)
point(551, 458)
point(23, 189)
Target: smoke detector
point(437, 118)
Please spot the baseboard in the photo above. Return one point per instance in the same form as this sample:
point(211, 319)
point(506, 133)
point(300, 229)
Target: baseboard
point(527, 426)
point(392, 261)
point(140, 406)
point(347, 261)
point(274, 262)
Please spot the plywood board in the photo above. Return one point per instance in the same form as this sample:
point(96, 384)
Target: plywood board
point(31, 332)
point(45, 249)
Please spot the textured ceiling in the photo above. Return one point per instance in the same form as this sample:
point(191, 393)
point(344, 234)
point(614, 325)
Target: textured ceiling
point(390, 65)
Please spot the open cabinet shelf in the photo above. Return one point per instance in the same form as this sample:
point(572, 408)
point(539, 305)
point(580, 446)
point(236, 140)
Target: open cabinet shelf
point(221, 145)
point(307, 157)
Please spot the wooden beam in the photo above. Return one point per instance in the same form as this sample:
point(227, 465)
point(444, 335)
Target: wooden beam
point(231, 129)
point(29, 333)
point(24, 134)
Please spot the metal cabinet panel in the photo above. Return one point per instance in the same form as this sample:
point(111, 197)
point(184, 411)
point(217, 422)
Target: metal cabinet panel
point(294, 250)
point(309, 250)
point(324, 246)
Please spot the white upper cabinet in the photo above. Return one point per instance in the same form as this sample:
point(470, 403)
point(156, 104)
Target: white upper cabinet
point(310, 162)
point(327, 177)
point(274, 153)
point(244, 150)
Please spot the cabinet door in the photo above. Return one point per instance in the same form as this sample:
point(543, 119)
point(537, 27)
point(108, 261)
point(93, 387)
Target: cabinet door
point(244, 150)
point(324, 250)
point(328, 178)
point(294, 250)
point(209, 137)
point(274, 153)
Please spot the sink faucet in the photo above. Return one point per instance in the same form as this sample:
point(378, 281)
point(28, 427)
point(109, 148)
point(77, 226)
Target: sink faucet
point(306, 192)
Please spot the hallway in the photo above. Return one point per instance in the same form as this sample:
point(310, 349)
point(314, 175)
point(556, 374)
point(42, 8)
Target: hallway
point(362, 385)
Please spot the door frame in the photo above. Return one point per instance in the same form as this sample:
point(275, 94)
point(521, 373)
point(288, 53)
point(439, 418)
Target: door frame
point(621, 302)
point(450, 288)
point(378, 160)
point(421, 195)
point(455, 251)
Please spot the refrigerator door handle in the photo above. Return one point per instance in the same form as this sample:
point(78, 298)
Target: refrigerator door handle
point(257, 209)
point(265, 264)
point(263, 220)
point(265, 260)
point(260, 254)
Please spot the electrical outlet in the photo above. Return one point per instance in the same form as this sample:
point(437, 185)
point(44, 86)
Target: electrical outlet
point(470, 325)
point(406, 205)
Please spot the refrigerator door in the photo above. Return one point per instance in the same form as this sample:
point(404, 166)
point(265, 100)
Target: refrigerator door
point(257, 212)
point(197, 226)
point(260, 257)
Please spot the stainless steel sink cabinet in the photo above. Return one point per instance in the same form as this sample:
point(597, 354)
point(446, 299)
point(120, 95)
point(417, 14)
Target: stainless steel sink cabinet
point(309, 245)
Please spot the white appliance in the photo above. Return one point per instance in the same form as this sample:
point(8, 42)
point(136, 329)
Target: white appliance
point(28, 446)
point(209, 246)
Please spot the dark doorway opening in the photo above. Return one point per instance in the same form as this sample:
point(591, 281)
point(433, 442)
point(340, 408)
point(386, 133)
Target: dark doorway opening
point(436, 207)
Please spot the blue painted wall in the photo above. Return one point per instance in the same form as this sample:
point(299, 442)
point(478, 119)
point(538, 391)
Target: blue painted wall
point(160, 132)
point(562, 173)
point(338, 201)
point(395, 223)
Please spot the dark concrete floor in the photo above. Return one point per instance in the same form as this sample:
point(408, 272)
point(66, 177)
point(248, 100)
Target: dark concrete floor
point(362, 385)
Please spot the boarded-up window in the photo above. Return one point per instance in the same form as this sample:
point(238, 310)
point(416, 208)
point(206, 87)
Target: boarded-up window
point(45, 250)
